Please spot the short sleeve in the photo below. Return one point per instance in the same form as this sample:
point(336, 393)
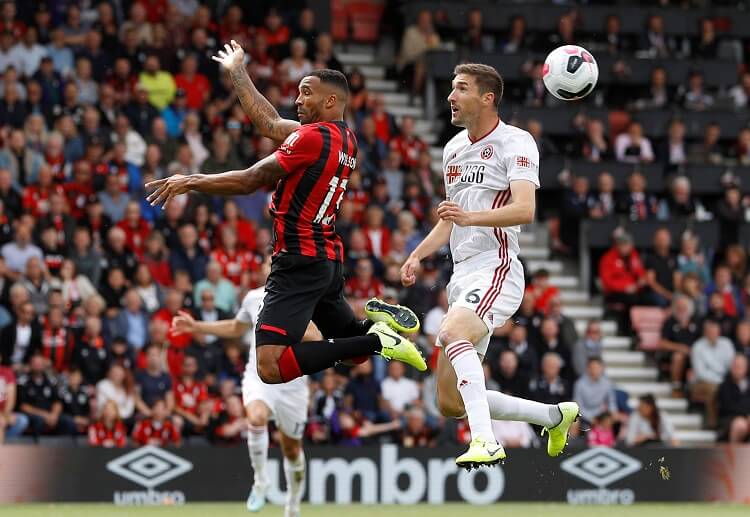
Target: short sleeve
point(300, 149)
point(522, 159)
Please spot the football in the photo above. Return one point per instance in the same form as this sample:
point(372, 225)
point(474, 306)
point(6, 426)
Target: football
point(570, 72)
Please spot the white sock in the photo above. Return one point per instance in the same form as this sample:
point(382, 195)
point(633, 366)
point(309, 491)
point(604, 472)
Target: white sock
point(257, 444)
point(463, 356)
point(294, 470)
point(507, 407)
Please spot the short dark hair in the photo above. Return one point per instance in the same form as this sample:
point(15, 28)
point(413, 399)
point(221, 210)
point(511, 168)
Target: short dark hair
point(332, 77)
point(488, 79)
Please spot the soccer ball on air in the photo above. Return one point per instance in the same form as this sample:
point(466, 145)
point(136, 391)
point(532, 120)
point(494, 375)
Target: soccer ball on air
point(570, 72)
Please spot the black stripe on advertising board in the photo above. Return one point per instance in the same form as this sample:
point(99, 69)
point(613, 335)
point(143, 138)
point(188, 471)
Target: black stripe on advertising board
point(385, 474)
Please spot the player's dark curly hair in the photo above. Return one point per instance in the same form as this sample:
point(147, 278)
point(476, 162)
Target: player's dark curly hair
point(488, 79)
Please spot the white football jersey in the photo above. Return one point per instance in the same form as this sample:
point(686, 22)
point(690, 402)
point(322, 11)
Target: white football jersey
point(249, 313)
point(478, 176)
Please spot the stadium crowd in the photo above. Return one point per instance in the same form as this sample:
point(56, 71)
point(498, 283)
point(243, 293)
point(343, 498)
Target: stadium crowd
point(99, 98)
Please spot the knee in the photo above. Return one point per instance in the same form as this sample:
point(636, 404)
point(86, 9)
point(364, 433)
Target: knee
point(448, 335)
point(268, 369)
point(292, 450)
point(256, 418)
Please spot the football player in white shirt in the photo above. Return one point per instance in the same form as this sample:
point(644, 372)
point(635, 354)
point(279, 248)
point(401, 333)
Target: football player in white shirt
point(491, 175)
point(287, 402)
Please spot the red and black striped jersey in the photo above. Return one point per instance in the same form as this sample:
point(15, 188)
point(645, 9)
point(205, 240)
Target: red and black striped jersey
point(57, 346)
point(318, 159)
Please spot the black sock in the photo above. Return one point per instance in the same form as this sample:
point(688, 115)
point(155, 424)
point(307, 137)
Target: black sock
point(315, 356)
point(354, 328)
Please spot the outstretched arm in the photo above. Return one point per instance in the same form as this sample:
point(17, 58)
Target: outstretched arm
point(519, 211)
point(184, 323)
point(265, 172)
point(438, 236)
point(254, 104)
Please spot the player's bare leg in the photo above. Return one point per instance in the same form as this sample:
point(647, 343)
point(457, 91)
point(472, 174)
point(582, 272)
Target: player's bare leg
point(257, 414)
point(294, 472)
point(556, 419)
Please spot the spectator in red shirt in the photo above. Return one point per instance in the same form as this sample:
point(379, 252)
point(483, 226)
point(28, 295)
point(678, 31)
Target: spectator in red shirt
point(417, 433)
point(156, 10)
point(109, 431)
point(155, 256)
point(36, 196)
point(275, 32)
point(158, 429)
point(730, 294)
point(385, 124)
point(196, 86)
point(378, 235)
point(234, 261)
point(357, 195)
point(122, 80)
point(190, 395)
point(55, 157)
point(408, 144)
point(11, 424)
point(232, 27)
point(228, 427)
point(244, 228)
point(172, 305)
point(623, 277)
point(364, 285)
point(541, 290)
point(262, 62)
point(8, 21)
point(79, 190)
point(205, 227)
point(136, 229)
point(57, 340)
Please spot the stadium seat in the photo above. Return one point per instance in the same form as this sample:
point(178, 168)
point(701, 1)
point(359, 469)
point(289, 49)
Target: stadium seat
point(618, 122)
point(647, 323)
point(365, 20)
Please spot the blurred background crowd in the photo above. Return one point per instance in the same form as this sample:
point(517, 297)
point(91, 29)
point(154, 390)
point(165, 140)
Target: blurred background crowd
point(99, 97)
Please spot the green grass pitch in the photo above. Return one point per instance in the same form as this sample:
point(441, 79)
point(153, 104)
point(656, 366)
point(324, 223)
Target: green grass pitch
point(447, 510)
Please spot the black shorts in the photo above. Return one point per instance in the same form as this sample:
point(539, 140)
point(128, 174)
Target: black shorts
point(298, 290)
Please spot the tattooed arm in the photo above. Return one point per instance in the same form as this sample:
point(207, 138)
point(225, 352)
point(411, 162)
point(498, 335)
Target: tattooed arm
point(254, 104)
point(261, 112)
point(265, 172)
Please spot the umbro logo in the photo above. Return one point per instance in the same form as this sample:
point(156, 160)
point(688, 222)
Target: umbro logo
point(601, 466)
point(149, 466)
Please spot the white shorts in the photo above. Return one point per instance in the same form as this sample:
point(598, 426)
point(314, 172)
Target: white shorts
point(490, 286)
point(287, 402)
